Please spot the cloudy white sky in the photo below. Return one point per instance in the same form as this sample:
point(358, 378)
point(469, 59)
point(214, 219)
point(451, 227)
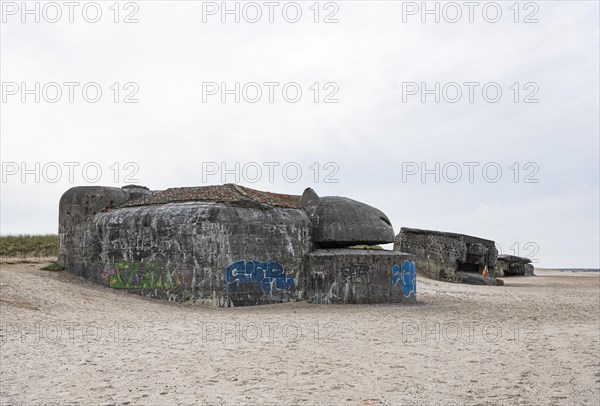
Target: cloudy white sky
point(375, 58)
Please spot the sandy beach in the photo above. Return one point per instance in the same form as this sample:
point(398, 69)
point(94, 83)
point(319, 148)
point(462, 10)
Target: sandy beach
point(67, 341)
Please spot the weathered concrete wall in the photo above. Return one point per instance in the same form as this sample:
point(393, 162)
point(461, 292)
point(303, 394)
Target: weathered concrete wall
point(449, 257)
point(353, 276)
point(529, 269)
point(204, 251)
point(78, 205)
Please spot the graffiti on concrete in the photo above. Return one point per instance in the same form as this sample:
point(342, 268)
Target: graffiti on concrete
point(396, 276)
point(132, 275)
point(354, 272)
point(201, 277)
point(406, 276)
point(409, 278)
point(267, 275)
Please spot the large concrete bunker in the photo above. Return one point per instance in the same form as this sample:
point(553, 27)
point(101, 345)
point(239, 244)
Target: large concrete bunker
point(229, 245)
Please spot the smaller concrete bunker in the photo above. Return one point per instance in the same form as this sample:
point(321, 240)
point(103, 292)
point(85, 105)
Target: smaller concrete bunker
point(347, 275)
point(228, 245)
point(451, 257)
point(511, 265)
point(338, 273)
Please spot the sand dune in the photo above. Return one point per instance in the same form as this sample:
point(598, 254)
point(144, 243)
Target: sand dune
point(66, 341)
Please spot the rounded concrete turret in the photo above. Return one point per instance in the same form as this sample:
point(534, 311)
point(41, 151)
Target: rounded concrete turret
point(342, 222)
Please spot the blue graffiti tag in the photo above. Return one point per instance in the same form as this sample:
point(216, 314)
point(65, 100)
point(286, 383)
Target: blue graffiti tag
point(406, 276)
point(260, 273)
point(395, 275)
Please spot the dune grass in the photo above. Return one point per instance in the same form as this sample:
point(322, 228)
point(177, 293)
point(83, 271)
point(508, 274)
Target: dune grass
point(366, 247)
point(52, 267)
point(27, 246)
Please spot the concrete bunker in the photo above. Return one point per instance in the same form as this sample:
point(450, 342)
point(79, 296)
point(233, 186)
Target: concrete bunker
point(451, 257)
point(510, 265)
point(229, 245)
point(338, 273)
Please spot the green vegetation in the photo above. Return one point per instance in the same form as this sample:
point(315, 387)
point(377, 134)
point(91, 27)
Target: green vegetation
point(52, 266)
point(28, 246)
point(366, 247)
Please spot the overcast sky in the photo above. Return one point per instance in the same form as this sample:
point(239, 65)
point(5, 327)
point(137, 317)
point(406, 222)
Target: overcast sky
point(367, 116)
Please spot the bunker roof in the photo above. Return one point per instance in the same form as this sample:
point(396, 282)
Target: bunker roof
point(227, 193)
point(464, 237)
